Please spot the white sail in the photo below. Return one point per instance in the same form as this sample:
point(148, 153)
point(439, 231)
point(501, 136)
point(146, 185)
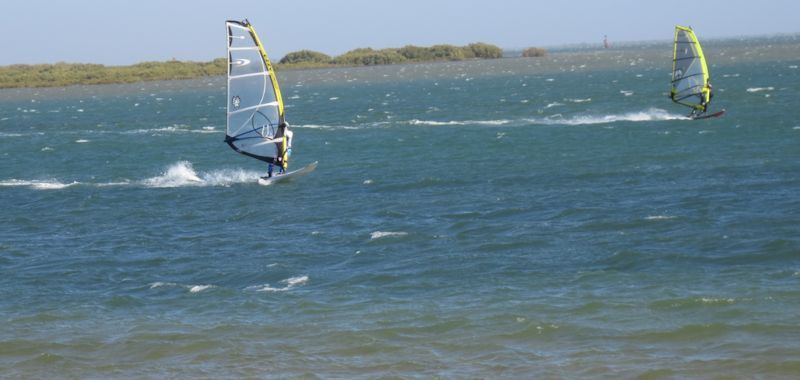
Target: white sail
point(689, 71)
point(255, 106)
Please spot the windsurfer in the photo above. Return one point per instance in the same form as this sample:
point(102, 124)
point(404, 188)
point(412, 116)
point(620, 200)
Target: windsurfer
point(283, 160)
point(283, 164)
point(703, 103)
point(710, 94)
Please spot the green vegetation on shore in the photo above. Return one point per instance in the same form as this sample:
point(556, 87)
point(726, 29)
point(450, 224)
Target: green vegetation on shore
point(534, 52)
point(66, 74)
point(390, 56)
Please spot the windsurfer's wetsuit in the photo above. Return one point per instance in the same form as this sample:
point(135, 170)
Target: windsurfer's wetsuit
point(710, 96)
point(289, 134)
point(699, 111)
point(283, 130)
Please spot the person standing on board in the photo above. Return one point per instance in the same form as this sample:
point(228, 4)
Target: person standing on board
point(283, 130)
point(700, 111)
point(710, 94)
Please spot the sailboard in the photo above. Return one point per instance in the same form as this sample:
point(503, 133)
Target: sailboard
point(708, 116)
point(691, 85)
point(288, 175)
point(255, 105)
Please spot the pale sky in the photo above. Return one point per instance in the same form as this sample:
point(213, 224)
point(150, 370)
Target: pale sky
point(121, 32)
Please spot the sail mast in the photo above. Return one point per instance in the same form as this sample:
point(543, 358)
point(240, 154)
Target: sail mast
point(270, 70)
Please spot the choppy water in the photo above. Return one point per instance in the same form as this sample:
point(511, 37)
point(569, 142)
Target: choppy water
point(514, 218)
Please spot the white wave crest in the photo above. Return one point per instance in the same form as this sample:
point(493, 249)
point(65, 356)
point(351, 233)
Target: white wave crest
point(38, 185)
point(52, 185)
point(578, 100)
point(653, 114)
point(229, 177)
point(176, 128)
point(659, 217)
point(717, 300)
point(383, 234)
point(191, 288)
point(291, 283)
point(183, 174)
point(109, 184)
point(159, 284)
point(296, 281)
point(331, 127)
point(177, 175)
point(199, 288)
point(180, 174)
point(759, 89)
point(431, 122)
point(457, 122)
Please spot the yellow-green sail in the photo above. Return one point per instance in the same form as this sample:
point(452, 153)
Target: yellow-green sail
point(690, 78)
point(255, 104)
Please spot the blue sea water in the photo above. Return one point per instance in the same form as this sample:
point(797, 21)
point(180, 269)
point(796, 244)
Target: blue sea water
point(514, 218)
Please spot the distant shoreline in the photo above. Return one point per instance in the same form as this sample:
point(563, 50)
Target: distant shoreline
point(69, 74)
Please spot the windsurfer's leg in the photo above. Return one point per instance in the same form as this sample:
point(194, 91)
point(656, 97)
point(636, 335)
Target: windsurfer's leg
point(269, 171)
point(285, 164)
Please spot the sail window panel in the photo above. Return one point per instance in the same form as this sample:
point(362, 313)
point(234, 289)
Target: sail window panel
point(267, 115)
point(249, 92)
point(239, 37)
point(684, 37)
point(689, 60)
point(695, 68)
point(258, 147)
point(243, 62)
point(264, 120)
point(689, 73)
point(685, 54)
point(251, 133)
point(258, 124)
point(684, 65)
point(239, 125)
point(688, 87)
point(688, 68)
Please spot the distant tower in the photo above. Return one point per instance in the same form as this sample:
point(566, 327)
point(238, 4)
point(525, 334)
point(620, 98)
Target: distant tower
point(605, 42)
